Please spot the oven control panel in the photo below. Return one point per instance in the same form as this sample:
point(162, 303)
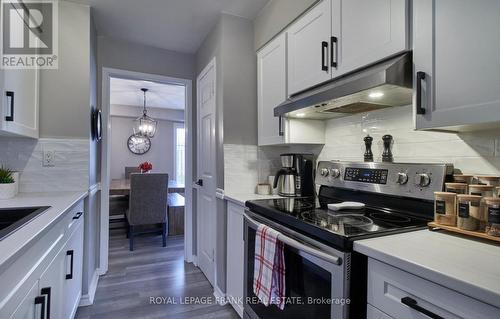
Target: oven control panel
point(366, 175)
point(399, 179)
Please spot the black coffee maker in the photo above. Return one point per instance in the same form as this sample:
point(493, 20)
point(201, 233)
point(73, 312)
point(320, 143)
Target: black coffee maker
point(296, 177)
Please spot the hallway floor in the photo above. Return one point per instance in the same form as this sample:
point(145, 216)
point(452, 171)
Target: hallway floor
point(150, 271)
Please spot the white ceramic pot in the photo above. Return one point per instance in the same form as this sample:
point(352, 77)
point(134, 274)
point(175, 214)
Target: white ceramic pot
point(8, 190)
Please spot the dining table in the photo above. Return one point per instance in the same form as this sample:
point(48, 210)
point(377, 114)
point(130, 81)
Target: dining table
point(122, 187)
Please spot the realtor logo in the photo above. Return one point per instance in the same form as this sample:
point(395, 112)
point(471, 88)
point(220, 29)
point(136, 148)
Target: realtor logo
point(30, 34)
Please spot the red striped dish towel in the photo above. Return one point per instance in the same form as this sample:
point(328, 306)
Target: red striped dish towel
point(269, 267)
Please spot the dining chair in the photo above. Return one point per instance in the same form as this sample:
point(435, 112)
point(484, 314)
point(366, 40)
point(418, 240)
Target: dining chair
point(147, 204)
point(131, 169)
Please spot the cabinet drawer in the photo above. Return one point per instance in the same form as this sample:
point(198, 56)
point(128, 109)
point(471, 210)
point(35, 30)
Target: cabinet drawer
point(374, 313)
point(387, 286)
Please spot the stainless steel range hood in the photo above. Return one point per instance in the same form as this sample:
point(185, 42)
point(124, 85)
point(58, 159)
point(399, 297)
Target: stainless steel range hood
point(385, 84)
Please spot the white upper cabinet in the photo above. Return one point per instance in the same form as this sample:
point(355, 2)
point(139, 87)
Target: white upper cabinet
point(367, 31)
point(457, 67)
point(19, 102)
point(308, 43)
point(271, 90)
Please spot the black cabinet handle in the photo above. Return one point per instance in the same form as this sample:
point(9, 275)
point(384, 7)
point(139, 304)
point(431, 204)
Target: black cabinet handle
point(40, 300)
point(70, 253)
point(78, 215)
point(10, 118)
point(280, 126)
point(199, 182)
point(333, 51)
point(46, 291)
point(412, 303)
point(324, 49)
point(420, 78)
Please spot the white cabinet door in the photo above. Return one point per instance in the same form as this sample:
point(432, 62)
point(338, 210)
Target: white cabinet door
point(367, 31)
point(271, 89)
point(31, 306)
point(308, 43)
point(235, 256)
point(374, 313)
point(52, 286)
point(20, 102)
point(457, 68)
point(73, 271)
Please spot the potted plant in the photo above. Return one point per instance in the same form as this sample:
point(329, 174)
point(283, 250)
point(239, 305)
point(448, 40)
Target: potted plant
point(145, 167)
point(8, 183)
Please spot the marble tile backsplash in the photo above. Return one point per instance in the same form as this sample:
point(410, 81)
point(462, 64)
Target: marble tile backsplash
point(71, 170)
point(471, 152)
point(240, 168)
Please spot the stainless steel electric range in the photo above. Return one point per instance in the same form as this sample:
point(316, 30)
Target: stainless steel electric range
point(324, 277)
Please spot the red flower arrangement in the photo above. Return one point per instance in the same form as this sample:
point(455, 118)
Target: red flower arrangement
point(145, 167)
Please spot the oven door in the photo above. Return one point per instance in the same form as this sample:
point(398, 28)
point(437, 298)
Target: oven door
point(316, 276)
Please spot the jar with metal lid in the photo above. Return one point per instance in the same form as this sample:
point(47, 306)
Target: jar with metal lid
point(458, 188)
point(445, 208)
point(483, 191)
point(463, 178)
point(468, 212)
point(493, 211)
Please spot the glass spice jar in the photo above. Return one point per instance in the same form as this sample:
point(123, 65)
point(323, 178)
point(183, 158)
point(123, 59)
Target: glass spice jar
point(468, 212)
point(445, 208)
point(483, 191)
point(493, 211)
point(458, 188)
point(463, 178)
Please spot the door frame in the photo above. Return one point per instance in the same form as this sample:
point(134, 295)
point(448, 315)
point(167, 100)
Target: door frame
point(108, 73)
point(211, 64)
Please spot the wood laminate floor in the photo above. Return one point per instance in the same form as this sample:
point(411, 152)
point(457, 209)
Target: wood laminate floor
point(150, 271)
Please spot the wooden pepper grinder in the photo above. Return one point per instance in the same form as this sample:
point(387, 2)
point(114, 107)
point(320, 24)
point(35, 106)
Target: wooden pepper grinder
point(387, 155)
point(368, 144)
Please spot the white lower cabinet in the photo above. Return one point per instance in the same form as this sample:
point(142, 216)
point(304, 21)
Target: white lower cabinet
point(398, 294)
point(46, 280)
point(27, 308)
point(235, 256)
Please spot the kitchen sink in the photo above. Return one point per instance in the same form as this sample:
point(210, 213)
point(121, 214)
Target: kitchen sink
point(11, 219)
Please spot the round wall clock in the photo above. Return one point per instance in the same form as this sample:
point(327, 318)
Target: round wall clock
point(138, 144)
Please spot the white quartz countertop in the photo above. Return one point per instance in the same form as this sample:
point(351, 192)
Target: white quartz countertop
point(469, 266)
point(59, 203)
point(241, 198)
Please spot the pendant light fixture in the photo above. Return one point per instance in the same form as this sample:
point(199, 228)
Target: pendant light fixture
point(145, 125)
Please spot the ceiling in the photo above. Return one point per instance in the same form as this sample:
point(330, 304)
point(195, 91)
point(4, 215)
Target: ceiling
point(163, 96)
point(178, 25)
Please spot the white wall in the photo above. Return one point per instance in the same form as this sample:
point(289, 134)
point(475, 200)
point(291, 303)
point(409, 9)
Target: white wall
point(474, 152)
point(161, 154)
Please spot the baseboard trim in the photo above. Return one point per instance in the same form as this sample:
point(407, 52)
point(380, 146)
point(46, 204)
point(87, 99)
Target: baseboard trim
point(88, 299)
point(220, 297)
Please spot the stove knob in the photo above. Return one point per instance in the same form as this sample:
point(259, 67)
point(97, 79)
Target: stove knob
point(402, 178)
point(324, 172)
point(422, 180)
point(335, 172)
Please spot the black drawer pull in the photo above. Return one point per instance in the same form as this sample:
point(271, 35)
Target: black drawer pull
point(78, 215)
point(413, 304)
point(324, 51)
point(420, 78)
point(46, 291)
point(70, 253)
point(40, 300)
point(10, 118)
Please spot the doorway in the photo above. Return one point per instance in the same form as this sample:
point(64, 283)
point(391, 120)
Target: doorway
point(183, 160)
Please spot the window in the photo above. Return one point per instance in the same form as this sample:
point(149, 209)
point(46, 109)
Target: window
point(180, 153)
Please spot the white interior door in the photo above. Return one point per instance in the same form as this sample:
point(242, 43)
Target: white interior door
point(206, 205)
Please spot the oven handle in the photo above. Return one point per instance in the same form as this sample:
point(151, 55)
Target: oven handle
point(299, 246)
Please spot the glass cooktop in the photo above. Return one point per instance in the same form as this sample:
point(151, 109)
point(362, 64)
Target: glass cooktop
point(302, 213)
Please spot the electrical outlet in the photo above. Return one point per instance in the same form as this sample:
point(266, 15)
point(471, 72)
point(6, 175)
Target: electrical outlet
point(49, 158)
